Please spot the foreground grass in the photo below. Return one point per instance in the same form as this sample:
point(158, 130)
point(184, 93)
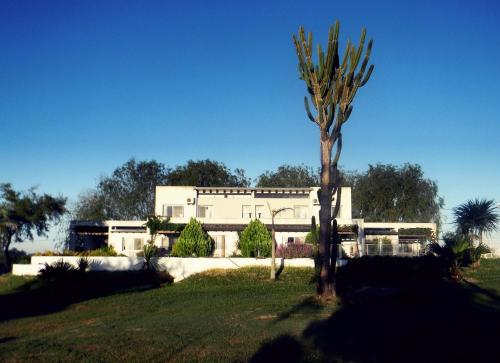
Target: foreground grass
point(240, 315)
point(216, 316)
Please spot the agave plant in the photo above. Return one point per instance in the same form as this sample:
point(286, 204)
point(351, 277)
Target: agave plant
point(453, 250)
point(150, 264)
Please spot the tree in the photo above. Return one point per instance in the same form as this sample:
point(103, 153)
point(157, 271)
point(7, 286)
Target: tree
point(128, 194)
point(331, 85)
point(289, 176)
point(255, 240)
point(274, 213)
point(22, 214)
point(155, 224)
point(193, 241)
point(390, 193)
point(207, 173)
point(475, 217)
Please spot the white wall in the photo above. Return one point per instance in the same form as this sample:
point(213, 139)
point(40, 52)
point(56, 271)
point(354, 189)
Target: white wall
point(179, 268)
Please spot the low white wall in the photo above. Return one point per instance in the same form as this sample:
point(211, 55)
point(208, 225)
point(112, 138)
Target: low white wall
point(178, 267)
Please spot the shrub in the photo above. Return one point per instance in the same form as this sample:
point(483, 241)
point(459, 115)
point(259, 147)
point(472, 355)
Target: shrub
point(312, 237)
point(193, 241)
point(83, 264)
point(104, 251)
point(295, 250)
point(150, 263)
point(255, 240)
point(57, 270)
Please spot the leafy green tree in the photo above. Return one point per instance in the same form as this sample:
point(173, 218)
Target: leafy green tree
point(22, 214)
point(289, 176)
point(155, 224)
point(332, 84)
point(193, 241)
point(128, 194)
point(255, 240)
point(207, 173)
point(390, 193)
point(476, 217)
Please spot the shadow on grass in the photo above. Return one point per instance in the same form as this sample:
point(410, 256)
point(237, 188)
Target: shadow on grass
point(39, 297)
point(434, 320)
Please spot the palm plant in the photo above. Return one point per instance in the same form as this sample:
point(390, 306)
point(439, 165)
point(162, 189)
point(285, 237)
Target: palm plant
point(476, 217)
point(453, 250)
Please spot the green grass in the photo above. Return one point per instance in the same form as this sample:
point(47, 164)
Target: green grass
point(197, 319)
point(487, 276)
point(239, 314)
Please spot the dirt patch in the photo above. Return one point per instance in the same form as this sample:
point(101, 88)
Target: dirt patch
point(266, 317)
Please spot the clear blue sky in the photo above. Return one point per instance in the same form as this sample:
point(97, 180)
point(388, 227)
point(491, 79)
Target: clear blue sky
point(85, 85)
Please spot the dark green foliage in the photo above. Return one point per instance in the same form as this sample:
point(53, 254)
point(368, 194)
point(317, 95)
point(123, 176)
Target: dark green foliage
point(312, 237)
point(193, 241)
point(255, 240)
point(207, 173)
point(83, 264)
point(348, 228)
point(128, 194)
point(427, 232)
point(57, 270)
point(390, 193)
point(23, 214)
point(150, 263)
point(452, 251)
point(155, 224)
point(289, 176)
point(476, 216)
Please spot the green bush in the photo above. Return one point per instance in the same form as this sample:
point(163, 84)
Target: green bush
point(255, 240)
point(57, 270)
point(193, 241)
point(104, 251)
point(312, 237)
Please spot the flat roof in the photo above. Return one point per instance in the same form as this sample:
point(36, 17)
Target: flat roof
point(238, 190)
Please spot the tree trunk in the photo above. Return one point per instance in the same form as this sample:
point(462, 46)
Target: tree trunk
point(273, 252)
point(326, 283)
point(6, 255)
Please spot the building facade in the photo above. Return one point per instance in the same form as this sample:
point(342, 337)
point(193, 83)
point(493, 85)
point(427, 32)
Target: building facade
point(224, 212)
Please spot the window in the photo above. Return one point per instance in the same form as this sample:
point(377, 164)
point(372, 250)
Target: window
point(137, 243)
point(205, 211)
point(259, 211)
point(300, 211)
point(124, 245)
point(176, 211)
point(246, 211)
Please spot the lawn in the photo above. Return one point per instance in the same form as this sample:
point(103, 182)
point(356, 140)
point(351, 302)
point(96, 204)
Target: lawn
point(239, 315)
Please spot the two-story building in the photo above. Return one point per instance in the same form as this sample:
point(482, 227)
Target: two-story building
point(225, 211)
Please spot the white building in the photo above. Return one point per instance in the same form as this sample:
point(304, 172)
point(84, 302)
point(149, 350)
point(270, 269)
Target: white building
point(224, 212)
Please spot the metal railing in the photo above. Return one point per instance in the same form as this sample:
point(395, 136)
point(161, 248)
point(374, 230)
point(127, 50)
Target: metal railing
point(396, 249)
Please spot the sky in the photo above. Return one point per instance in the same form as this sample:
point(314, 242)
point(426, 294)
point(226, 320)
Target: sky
point(86, 85)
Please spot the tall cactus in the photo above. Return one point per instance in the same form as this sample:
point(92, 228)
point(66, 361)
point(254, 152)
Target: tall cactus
point(332, 84)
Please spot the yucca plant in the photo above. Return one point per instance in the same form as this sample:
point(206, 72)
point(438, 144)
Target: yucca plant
point(150, 264)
